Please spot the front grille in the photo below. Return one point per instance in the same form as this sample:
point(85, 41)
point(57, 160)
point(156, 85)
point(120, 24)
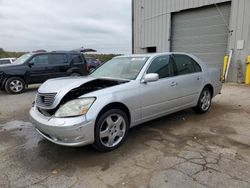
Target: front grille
point(45, 99)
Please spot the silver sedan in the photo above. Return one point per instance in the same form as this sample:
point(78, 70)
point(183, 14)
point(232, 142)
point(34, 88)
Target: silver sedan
point(122, 93)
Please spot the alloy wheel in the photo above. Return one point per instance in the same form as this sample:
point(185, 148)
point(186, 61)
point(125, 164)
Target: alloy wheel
point(205, 100)
point(16, 86)
point(112, 130)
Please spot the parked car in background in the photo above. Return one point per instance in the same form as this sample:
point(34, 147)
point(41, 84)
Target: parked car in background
point(93, 64)
point(124, 92)
point(35, 68)
point(7, 60)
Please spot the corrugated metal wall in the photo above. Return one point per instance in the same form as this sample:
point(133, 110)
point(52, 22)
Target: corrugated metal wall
point(203, 32)
point(152, 22)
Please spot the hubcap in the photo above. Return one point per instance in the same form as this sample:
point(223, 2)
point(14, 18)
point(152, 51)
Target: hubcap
point(112, 130)
point(16, 86)
point(205, 100)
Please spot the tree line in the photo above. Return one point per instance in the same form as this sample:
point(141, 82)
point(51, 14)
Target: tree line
point(5, 54)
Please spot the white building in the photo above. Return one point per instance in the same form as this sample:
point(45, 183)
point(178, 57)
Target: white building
point(206, 28)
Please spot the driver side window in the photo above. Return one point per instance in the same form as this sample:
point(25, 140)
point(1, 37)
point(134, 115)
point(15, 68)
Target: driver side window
point(162, 65)
point(40, 59)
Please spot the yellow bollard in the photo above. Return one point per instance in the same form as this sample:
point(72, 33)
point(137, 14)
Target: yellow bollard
point(247, 81)
point(224, 68)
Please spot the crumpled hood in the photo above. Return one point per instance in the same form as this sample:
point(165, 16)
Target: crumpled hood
point(70, 88)
point(65, 84)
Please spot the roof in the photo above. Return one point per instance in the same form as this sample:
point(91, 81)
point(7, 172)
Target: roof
point(57, 52)
point(154, 54)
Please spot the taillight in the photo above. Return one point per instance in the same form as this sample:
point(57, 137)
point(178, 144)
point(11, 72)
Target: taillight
point(86, 67)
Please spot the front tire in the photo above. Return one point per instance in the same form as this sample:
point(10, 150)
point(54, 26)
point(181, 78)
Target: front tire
point(111, 130)
point(15, 85)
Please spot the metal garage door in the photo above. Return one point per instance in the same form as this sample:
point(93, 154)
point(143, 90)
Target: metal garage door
point(202, 32)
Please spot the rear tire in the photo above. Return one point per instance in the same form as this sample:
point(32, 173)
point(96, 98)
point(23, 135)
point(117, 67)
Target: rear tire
point(111, 130)
point(15, 85)
point(75, 74)
point(91, 70)
point(205, 101)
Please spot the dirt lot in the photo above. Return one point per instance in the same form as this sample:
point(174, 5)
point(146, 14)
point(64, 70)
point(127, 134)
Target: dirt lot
point(180, 150)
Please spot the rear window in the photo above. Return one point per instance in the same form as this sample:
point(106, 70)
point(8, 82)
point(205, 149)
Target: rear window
point(186, 65)
point(76, 58)
point(58, 59)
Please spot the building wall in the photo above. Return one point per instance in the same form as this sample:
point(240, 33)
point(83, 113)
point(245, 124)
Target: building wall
point(152, 21)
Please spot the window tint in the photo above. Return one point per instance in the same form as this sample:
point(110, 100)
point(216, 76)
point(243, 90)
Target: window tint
point(40, 59)
point(76, 59)
point(57, 59)
point(186, 65)
point(197, 66)
point(162, 65)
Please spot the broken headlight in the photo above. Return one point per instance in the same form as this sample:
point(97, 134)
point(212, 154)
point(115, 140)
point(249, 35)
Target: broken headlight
point(76, 107)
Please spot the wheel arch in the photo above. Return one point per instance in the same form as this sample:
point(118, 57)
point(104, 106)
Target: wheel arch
point(115, 105)
point(7, 86)
point(14, 76)
point(210, 87)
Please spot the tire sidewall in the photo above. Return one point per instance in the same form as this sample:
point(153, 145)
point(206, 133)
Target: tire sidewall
point(91, 69)
point(7, 85)
point(198, 107)
point(98, 144)
point(75, 74)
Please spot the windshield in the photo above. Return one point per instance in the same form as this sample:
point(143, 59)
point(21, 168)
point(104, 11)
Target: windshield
point(122, 67)
point(22, 59)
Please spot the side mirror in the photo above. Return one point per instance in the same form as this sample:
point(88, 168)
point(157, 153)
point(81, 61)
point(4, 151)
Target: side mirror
point(30, 64)
point(151, 77)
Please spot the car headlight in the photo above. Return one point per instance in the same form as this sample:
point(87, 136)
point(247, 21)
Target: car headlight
point(76, 107)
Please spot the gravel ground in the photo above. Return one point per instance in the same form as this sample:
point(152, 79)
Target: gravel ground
point(179, 150)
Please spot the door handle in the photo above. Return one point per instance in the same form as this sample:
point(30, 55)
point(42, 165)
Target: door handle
point(173, 84)
point(198, 77)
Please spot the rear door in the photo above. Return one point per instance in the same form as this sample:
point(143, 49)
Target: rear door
point(58, 65)
point(189, 79)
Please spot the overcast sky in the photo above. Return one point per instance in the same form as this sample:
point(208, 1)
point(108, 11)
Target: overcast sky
point(27, 25)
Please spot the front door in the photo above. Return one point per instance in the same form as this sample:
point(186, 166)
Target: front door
point(158, 98)
point(38, 69)
point(58, 65)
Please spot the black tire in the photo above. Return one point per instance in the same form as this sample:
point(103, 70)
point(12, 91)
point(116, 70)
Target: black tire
point(103, 144)
point(205, 101)
point(75, 74)
point(15, 85)
point(92, 69)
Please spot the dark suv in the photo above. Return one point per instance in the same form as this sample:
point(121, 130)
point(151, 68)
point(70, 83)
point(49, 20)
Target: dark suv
point(35, 68)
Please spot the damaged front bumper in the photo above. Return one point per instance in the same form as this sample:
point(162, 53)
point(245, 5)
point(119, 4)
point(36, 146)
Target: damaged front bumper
point(75, 131)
